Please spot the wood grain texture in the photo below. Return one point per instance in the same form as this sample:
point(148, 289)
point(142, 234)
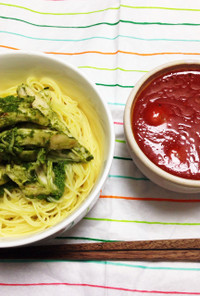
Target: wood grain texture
point(158, 250)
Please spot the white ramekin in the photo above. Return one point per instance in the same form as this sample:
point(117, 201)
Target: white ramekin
point(147, 167)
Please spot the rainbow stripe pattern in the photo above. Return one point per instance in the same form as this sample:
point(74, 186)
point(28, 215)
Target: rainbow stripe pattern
point(114, 43)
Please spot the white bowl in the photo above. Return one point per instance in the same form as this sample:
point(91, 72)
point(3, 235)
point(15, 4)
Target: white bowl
point(147, 167)
point(14, 69)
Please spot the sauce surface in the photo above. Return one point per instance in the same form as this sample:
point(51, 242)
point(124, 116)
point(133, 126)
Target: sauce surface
point(166, 122)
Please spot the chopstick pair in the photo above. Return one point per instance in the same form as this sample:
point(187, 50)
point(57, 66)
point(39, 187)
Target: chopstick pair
point(156, 250)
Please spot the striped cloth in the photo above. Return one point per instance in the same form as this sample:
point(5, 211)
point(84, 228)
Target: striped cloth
point(114, 43)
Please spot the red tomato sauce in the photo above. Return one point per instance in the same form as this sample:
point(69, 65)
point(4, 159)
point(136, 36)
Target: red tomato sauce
point(166, 122)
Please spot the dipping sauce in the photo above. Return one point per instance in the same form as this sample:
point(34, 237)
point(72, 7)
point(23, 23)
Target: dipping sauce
point(166, 122)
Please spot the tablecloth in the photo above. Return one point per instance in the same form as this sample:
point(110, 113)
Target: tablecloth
point(114, 42)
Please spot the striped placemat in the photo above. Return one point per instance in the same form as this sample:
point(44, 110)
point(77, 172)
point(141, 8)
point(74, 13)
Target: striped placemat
point(114, 43)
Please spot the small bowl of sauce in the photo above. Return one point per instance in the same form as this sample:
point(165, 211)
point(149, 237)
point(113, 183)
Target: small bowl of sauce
point(162, 125)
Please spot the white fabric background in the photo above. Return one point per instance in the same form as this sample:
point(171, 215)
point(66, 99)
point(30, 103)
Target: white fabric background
point(155, 32)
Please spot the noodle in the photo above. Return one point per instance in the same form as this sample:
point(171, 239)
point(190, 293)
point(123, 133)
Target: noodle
point(20, 215)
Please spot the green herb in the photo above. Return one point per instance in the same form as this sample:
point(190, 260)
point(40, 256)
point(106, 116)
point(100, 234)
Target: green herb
point(35, 146)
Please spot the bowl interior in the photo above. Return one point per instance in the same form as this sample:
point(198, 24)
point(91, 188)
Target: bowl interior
point(133, 146)
point(14, 69)
point(179, 65)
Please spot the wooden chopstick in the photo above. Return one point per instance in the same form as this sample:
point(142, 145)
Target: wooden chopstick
point(138, 245)
point(156, 250)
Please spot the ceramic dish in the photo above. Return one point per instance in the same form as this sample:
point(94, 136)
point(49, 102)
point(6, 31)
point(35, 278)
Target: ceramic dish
point(14, 69)
point(148, 167)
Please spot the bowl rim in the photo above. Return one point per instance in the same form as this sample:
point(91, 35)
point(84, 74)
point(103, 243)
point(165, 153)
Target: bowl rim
point(82, 210)
point(129, 133)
